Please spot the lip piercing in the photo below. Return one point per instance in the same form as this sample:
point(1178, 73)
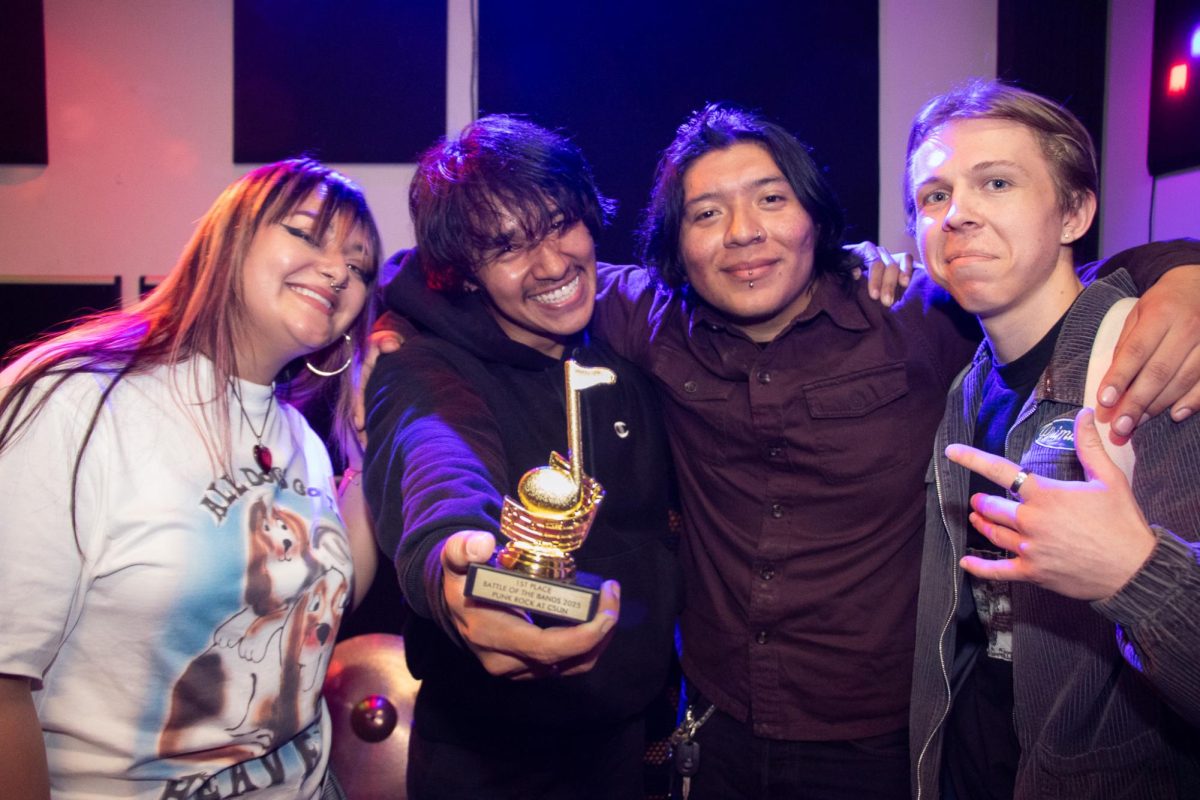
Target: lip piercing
point(751, 284)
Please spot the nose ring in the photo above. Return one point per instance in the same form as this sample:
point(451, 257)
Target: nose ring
point(758, 235)
point(337, 286)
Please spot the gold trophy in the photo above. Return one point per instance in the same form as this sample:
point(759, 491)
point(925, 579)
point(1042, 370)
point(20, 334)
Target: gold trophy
point(534, 571)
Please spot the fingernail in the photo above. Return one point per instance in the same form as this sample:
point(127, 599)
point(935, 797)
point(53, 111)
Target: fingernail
point(1180, 414)
point(476, 546)
point(887, 299)
point(1123, 426)
point(873, 293)
point(614, 589)
point(1108, 396)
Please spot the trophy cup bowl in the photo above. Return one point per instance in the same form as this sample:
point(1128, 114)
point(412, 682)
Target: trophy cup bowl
point(541, 538)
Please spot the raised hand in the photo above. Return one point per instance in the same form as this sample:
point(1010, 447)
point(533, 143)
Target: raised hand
point(1081, 539)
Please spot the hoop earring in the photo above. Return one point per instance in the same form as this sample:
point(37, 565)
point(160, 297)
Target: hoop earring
point(339, 370)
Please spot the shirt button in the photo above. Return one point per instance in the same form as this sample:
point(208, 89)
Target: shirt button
point(764, 376)
point(774, 451)
point(690, 387)
point(767, 573)
point(776, 510)
point(761, 637)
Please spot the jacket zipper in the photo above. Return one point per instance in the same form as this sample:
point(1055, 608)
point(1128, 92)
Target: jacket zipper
point(1025, 414)
point(937, 482)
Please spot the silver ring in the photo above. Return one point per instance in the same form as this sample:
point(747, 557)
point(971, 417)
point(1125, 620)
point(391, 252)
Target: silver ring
point(1018, 482)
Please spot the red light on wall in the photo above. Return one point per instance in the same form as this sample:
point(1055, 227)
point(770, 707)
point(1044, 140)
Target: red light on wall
point(1177, 79)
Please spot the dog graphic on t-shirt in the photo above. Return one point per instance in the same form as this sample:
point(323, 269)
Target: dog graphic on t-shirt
point(260, 678)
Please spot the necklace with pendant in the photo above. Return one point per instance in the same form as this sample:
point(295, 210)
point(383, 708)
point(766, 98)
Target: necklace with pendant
point(262, 453)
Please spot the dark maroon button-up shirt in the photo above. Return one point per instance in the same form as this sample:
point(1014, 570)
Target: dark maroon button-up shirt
point(802, 473)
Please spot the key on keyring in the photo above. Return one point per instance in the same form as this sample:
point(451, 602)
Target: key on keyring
point(686, 757)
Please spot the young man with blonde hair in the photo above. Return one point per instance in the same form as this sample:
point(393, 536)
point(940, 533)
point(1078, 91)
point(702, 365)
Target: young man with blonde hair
point(1063, 658)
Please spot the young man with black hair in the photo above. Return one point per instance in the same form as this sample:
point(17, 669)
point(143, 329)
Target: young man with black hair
point(500, 288)
point(801, 414)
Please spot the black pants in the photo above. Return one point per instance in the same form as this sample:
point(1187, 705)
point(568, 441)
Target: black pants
point(737, 765)
point(603, 764)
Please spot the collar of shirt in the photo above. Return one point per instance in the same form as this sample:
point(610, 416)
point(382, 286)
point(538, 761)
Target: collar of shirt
point(843, 305)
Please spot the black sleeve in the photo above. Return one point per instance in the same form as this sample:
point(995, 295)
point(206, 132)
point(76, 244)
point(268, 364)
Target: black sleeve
point(434, 463)
point(950, 334)
point(623, 295)
point(1145, 263)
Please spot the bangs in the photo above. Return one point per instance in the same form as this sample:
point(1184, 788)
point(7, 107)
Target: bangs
point(341, 212)
point(498, 219)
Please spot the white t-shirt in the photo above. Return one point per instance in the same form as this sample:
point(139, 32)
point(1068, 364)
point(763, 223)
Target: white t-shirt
point(178, 637)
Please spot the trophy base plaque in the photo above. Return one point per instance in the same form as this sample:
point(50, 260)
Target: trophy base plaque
point(573, 601)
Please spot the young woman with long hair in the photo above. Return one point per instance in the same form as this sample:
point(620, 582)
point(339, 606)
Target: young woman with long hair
point(175, 566)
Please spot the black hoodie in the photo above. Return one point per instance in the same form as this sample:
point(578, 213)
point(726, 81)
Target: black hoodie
point(454, 419)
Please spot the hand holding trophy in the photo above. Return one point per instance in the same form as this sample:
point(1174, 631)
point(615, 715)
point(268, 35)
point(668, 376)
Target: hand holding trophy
point(535, 571)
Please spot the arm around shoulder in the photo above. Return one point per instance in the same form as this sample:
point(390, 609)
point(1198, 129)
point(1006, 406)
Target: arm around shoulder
point(950, 334)
point(1145, 263)
point(626, 299)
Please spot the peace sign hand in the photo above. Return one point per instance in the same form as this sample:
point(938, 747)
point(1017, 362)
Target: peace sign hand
point(1082, 539)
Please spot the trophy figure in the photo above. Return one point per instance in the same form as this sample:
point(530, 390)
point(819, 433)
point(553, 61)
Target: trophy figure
point(557, 503)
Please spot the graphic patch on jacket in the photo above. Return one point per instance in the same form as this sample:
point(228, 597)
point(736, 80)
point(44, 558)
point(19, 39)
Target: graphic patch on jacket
point(1058, 434)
